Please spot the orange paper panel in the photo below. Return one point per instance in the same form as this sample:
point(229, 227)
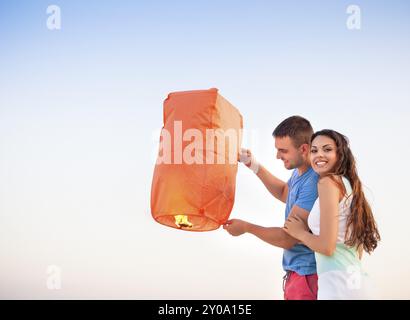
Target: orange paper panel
point(193, 186)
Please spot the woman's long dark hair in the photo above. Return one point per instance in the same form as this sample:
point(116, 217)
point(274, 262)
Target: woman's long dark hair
point(361, 228)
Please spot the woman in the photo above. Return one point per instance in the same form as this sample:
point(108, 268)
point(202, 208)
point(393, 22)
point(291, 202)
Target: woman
point(341, 220)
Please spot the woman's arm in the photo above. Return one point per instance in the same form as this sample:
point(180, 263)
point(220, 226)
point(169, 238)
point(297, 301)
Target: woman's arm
point(325, 242)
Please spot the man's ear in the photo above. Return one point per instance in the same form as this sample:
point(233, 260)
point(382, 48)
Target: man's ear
point(305, 148)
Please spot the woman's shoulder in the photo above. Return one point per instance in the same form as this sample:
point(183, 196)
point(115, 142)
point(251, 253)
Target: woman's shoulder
point(331, 179)
point(333, 183)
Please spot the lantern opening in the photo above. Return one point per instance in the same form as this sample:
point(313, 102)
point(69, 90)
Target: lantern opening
point(189, 222)
point(182, 221)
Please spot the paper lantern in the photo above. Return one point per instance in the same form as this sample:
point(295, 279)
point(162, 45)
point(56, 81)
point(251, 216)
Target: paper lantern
point(193, 186)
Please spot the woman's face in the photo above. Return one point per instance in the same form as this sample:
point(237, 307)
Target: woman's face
point(323, 155)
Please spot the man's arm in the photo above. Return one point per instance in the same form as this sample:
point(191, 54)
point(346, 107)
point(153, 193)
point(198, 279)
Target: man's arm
point(277, 187)
point(272, 235)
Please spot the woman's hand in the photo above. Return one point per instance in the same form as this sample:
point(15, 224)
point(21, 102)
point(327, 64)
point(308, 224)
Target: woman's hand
point(295, 227)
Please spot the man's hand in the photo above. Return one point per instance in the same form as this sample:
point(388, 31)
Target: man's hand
point(236, 227)
point(246, 157)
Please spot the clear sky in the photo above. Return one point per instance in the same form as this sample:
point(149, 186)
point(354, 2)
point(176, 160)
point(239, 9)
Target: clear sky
point(81, 109)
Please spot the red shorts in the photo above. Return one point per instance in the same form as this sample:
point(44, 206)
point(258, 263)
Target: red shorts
point(297, 287)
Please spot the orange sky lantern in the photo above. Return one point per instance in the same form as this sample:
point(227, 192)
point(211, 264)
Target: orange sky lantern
point(193, 186)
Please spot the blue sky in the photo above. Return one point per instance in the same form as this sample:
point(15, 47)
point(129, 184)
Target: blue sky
point(80, 110)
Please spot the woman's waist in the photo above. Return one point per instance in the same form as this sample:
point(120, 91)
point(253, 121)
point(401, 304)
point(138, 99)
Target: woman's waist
point(344, 258)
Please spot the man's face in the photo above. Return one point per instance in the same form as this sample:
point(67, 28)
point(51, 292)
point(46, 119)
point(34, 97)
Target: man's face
point(291, 156)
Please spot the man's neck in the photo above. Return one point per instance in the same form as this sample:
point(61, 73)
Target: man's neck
point(303, 168)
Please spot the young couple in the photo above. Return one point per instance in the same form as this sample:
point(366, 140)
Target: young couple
point(328, 219)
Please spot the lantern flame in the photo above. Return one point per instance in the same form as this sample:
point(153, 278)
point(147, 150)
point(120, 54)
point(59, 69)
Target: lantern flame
point(182, 221)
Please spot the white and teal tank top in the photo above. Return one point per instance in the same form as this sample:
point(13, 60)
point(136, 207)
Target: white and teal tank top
point(340, 276)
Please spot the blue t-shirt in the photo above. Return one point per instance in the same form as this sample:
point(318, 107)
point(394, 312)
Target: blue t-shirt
point(302, 191)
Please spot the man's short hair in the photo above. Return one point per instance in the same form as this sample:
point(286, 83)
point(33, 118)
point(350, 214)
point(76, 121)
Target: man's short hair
point(297, 128)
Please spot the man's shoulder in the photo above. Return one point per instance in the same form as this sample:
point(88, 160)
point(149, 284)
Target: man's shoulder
point(311, 180)
point(311, 175)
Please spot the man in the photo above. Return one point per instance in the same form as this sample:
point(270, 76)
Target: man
point(292, 141)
